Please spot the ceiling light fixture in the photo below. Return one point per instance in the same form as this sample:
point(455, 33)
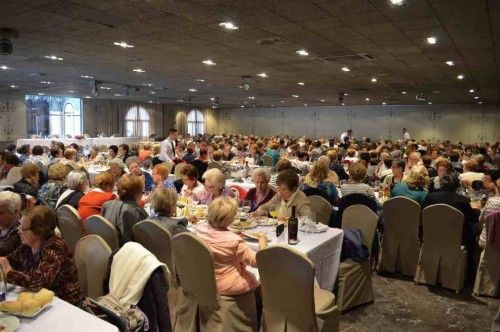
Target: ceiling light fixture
point(46, 82)
point(117, 95)
point(305, 105)
point(123, 44)
point(430, 103)
point(212, 98)
point(192, 90)
point(71, 91)
point(251, 98)
point(301, 83)
point(41, 93)
point(461, 76)
point(53, 57)
point(282, 101)
point(152, 92)
point(209, 62)
point(228, 25)
point(322, 100)
point(450, 63)
point(199, 80)
point(476, 97)
point(367, 99)
point(343, 104)
point(431, 40)
point(384, 103)
point(139, 70)
point(105, 88)
point(87, 76)
point(374, 80)
point(12, 86)
point(295, 96)
point(148, 84)
point(87, 97)
point(397, 2)
point(479, 102)
point(263, 75)
point(403, 92)
point(472, 90)
point(242, 106)
point(302, 52)
point(150, 101)
point(346, 69)
point(4, 67)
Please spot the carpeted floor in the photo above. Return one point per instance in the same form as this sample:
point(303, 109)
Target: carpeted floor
point(401, 306)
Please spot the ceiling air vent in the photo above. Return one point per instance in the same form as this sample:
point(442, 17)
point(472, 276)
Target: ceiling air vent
point(346, 57)
point(271, 41)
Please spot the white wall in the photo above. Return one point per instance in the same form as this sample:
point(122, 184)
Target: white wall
point(469, 123)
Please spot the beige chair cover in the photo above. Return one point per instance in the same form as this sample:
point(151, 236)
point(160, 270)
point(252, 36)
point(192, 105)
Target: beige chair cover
point(200, 307)
point(98, 225)
point(158, 240)
point(70, 226)
point(178, 169)
point(495, 327)
point(291, 303)
point(488, 273)
point(92, 258)
point(355, 280)
point(400, 243)
point(267, 161)
point(322, 208)
point(442, 258)
point(214, 164)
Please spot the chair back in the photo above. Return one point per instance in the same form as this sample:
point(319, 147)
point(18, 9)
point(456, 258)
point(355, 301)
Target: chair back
point(98, 225)
point(69, 224)
point(195, 267)
point(352, 199)
point(156, 239)
point(92, 257)
point(178, 170)
point(321, 207)
point(214, 164)
point(442, 227)
point(267, 160)
point(361, 217)
point(487, 280)
point(239, 191)
point(287, 279)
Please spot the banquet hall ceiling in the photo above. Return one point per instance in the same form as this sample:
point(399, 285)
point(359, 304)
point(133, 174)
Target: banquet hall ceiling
point(171, 38)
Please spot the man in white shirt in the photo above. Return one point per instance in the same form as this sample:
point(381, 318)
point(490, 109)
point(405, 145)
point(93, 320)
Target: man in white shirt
point(167, 147)
point(347, 134)
point(406, 135)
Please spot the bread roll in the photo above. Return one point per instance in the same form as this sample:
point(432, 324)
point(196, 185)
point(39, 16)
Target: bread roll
point(25, 296)
point(44, 296)
point(30, 307)
point(11, 306)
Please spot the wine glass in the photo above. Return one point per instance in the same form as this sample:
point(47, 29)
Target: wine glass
point(273, 211)
point(246, 206)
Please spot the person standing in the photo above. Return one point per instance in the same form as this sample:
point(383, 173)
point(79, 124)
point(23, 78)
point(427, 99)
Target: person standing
point(346, 137)
point(406, 135)
point(167, 147)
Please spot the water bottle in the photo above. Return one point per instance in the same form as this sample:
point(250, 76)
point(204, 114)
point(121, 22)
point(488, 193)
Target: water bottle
point(3, 284)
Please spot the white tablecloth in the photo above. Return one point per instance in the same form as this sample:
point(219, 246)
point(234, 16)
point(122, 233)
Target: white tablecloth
point(61, 316)
point(96, 141)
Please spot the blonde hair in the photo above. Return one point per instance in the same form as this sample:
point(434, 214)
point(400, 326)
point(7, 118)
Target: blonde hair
point(418, 177)
point(222, 211)
point(357, 171)
point(215, 176)
point(162, 170)
point(29, 169)
point(164, 200)
point(58, 172)
point(332, 154)
point(116, 162)
point(10, 201)
point(319, 171)
point(69, 153)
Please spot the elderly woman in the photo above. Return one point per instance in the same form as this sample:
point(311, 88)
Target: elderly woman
point(160, 176)
point(413, 159)
point(76, 185)
point(116, 167)
point(164, 202)
point(253, 152)
point(126, 212)
point(288, 195)
point(414, 186)
point(30, 182)
point(191, 188)
point(317, 183)
point(94, 155)
point(49, 192)
point(43, 260)
point(134, 168)
point(262, 193)
point(70, 156)
point(10, 209)
point(231, 253)
point(215, 186)
point(91, 203)
point(145, 153)
point(397, 167)
point(443, 167)
point(335, 165)
point(355, 185)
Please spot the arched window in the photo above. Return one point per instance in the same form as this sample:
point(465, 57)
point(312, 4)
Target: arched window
point(196, 123)
point(137, 122)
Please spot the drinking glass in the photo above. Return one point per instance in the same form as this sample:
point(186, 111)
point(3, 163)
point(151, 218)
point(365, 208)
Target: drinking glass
point(246, 205)
point(273, 211)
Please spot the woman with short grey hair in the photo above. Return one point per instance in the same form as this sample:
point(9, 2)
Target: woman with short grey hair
point(262, 192)
point(76, 184)
point(10, 208)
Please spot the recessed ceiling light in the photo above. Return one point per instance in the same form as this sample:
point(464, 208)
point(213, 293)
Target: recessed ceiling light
point(430, 103)
point(302, 52)
point(282, 101)
point(87, 97)
point(479, 102)
point(199, 80)
point(41, 93)
point(87, 76)
point(343, 104)
point(403, 92)
point(192, 90)
point(148, 84)
point(384, 103)
point(117, 95)
point(367, 99)
point(209, 62)
point(150, 101)
point(12, 86)
point(346, 69)
point(71, 91)
point(374, 80)
point(105, 88)
point(450, 63)
point(53, 57)
point(397, 2)
point(476, 97)
point(263, 75)
point(139, 70)
point(295, 96)
point(152, 92)
point(301, 83)
point(472, 90)
point(251, 97)
point(322, 100)
point(123, 44)
point(242, 106)
point(228, 25)
point(46, 82)
point(305, 105)
point(346, 94)
point(461, 76)
point(4, 67)
point(431, 40)
point(180, 100)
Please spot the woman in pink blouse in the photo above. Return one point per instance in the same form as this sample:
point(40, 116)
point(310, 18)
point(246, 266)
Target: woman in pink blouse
point(231, 253)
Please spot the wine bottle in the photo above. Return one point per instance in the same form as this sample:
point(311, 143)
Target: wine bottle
point(293, 227)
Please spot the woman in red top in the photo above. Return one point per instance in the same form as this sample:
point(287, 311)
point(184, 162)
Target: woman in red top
point(91, 203)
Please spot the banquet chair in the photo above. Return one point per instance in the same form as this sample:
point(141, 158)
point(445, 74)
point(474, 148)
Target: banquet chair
point(239, 191)
point(355, 286)
point(155, 238)
point(91, 257)
point(488, 274)
point(98, 225)
point(200, 307)
point(400, 243)
point(178, 170)
point(68, 221)
point(214, 164)
point(290, 300)
point(267, 161)
point(322, 208)
point(442, 258)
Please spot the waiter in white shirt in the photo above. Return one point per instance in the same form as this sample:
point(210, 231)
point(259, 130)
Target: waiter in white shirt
point(348, 135)
point(167, 147)
point(406, 135)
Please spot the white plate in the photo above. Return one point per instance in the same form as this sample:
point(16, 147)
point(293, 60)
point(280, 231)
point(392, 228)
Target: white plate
point(268, 222)
point(9, 323)
point(313, 228)
point(252, 224)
